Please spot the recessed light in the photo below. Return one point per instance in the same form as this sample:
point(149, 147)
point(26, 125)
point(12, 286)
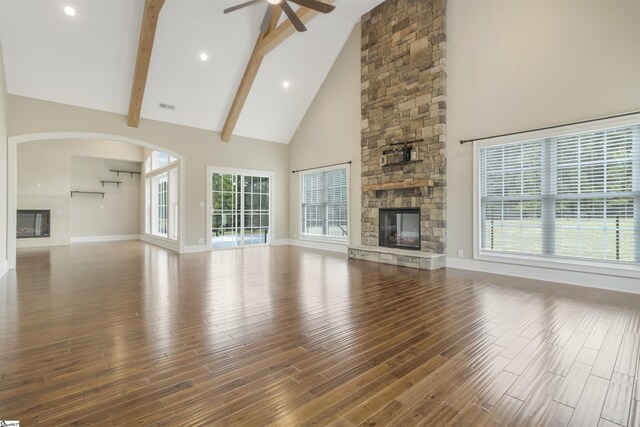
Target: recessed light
point(275, 1)
point(69, 11)
point(286, 84)
point(204, 56)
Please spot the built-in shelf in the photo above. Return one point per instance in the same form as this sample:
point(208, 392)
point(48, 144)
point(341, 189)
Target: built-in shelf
point(399, 185)
point(118, 172)
point(88, 192)
point(402, 163)
point(111, 182)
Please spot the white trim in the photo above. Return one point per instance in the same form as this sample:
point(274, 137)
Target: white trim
point(240, 171)
point(331, 240)
point(281, 242)
point(326, 239)
point(171, 245)
point(592, 280)
point(518, 262)
point(192, 249)
point(113, 238)
point(163, 169)
point(158, 237)
point(4, 268)
point(12, 202)
point(210, 170)
point(567, 264)
point(12, 178)
point(318, 245)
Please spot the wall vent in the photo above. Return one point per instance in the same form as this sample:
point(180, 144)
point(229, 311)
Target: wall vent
point(167, 106)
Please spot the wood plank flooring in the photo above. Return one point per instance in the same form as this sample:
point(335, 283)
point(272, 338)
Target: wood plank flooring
point(126, 333)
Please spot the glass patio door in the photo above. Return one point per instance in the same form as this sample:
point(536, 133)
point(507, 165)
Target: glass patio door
point(240, 210)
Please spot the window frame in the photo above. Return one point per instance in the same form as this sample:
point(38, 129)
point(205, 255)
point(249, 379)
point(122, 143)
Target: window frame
point(324, 238)
point(172, 172)
point(152, 160)
point(608, 267)
point(272, 203)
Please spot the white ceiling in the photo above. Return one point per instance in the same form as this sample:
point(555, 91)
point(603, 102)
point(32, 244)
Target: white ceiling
point(88, 60)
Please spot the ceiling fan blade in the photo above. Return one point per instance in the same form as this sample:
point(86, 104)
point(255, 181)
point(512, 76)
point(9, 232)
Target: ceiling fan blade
point(292, 16)
point(267, 19)
point(315, 5)
point(240, 6)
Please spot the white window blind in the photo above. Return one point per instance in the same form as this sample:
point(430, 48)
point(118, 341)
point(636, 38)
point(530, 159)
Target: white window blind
point(573, 196)
point(324, 203)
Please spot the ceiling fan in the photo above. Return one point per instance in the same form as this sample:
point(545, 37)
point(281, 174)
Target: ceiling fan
point(284, 5)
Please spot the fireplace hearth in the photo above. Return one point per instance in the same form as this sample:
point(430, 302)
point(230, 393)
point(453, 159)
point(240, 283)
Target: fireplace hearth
point(399, 228)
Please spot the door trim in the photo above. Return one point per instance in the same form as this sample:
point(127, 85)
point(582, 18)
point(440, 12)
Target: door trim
point(237, 171)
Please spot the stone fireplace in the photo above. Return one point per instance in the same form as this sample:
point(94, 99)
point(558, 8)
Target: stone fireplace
point(403, 102)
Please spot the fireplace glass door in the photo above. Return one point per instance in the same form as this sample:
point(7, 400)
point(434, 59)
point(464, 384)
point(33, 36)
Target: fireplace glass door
point(400, 228)
point(32, 223)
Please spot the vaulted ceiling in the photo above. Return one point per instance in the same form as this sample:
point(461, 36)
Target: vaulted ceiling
point(89, 59)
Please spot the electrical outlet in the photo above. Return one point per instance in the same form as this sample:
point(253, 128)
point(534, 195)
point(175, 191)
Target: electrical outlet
point(460, 253)
point(202, 204)
point(101, 207)
point(38, 185)
point(201, 241)
point(295, 236)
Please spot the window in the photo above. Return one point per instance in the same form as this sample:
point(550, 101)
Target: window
point(160, 188)
point(161, 196)
point(566, 196)
point(324, 203)
point(240, 208)
point(158, 160)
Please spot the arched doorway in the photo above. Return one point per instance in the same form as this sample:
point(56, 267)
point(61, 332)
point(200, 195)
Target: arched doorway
point(13, 142)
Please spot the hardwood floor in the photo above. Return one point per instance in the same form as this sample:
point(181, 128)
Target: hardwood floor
point(127, 333)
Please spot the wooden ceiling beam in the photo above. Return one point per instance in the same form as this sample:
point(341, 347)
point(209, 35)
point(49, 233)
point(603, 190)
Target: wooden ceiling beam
point(248, 78)
point(266, 42)
point(152, 10)
point(286, 29)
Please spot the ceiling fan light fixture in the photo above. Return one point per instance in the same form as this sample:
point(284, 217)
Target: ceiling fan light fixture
point(274, 1)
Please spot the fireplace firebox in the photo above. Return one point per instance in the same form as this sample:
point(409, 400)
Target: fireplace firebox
point(399, 228)
point(33, 223)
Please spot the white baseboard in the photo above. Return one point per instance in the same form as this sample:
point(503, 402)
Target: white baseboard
point(203, 248)
point(593, 280)
point(88, 239)
point(173, 246)
point(281, 242)
point(192, 249)
point(4, 267)
point(43, 242)
point(342, 248)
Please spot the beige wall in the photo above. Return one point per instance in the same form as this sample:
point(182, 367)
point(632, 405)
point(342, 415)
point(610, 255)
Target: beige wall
point(48, 170)
point(510, 66)
point(118, 214)
point(199, 147)
point(517, 65)
point(330, 133)
point(3, 168)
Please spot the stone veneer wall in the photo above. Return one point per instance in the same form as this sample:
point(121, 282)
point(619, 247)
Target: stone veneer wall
point(403, 98)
